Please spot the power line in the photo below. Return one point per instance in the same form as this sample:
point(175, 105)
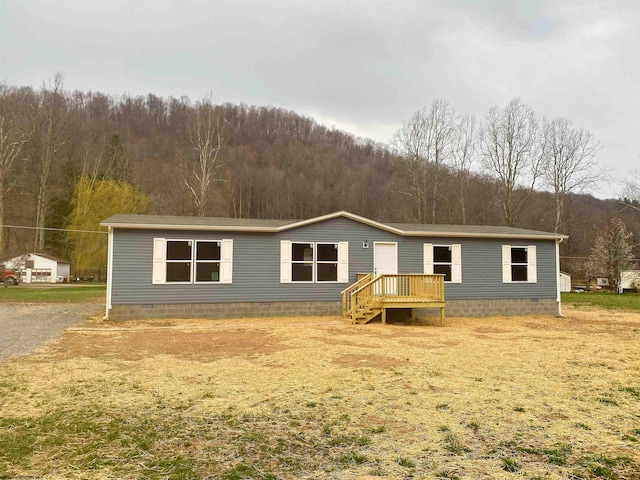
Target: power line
point(54, 229)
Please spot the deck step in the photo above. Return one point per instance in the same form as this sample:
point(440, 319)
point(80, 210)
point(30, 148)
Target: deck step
point(367, 316)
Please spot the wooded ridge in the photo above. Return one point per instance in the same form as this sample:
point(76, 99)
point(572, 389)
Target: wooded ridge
point(201, 158)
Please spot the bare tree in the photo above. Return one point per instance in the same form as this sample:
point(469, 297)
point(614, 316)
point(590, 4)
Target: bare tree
point(205, 138)
point(612, 252)
point(570, 162)
point(631, 193)
point(12, 139)
point(426, 142)
point(462, 156)
point(410, 142)
point(512, 153)
point(50, 141)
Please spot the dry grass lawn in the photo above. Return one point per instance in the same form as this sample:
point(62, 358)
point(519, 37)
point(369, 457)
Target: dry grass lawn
point(318, 398)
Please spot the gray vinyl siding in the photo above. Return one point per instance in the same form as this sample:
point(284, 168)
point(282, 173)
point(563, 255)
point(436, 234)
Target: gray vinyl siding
point(256, 266)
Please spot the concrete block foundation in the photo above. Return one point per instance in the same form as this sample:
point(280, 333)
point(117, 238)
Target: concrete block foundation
point(454, 308)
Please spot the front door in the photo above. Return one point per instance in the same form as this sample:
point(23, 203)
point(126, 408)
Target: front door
point(385, 261)
point(385, 258)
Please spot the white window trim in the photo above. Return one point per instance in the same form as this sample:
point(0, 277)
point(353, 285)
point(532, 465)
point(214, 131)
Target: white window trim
point(302, 262)
point(456, 260)
point(532, 266)
point(325, 262)
point(179, 261)
point(159, 275)
point(286, 262)
point(194, 268)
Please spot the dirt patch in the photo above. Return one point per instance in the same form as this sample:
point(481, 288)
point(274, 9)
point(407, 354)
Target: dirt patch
point(203, 346)
point(317, 397)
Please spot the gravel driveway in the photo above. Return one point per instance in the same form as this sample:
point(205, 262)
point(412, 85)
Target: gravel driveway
point(23, 328)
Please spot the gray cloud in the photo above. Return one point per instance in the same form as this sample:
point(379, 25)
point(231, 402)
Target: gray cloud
point(363, 66)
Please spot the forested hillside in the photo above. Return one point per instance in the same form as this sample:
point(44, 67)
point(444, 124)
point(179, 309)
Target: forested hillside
point(180, 157)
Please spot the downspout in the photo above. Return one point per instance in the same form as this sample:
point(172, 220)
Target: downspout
point(109, 273)
point(558, 298)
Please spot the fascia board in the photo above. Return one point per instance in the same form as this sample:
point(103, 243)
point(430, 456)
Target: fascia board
point(517, 236)
point(310, 221)
point(204, 228)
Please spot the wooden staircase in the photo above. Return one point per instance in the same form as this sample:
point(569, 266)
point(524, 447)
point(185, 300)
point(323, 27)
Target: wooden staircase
point(365, 316)
point(369, 297)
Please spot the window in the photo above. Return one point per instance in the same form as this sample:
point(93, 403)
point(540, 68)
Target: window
point(327, 263)
point(178, 264)
point(192, 261)
point(444, 260)
point(208, 261)
point(302, 262)
point(314, 262)
point(519, 264)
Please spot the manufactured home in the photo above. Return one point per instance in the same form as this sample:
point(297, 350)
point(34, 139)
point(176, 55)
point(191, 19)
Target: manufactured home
point(181, 267)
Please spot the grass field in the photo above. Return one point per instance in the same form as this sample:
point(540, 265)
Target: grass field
point(627, 301)
point(54, 293)
point(319, 398)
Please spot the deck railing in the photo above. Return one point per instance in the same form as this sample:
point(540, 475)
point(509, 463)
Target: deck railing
point(399, 288)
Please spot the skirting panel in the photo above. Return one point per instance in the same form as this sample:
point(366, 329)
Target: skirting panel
point(454, 308)
point(224, 310)
point(503, 307)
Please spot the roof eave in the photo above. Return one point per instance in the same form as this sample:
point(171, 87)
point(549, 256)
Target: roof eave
point(517, 236)
point(232, 228)
point(310, 221)
point(204, 228)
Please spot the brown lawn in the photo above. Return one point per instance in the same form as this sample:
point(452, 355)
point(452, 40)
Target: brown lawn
point(317, 397)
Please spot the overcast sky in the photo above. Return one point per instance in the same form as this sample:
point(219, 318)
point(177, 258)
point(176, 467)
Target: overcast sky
point(363, 67)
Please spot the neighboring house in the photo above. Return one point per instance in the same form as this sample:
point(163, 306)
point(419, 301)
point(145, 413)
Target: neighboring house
point(167, 266)
point(565, 282)
point(630, 280)
point(40, 268)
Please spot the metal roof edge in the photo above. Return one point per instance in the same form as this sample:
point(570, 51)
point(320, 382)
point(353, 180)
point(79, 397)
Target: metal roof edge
point(207, 228)
point(521, 236)
point(329, 216)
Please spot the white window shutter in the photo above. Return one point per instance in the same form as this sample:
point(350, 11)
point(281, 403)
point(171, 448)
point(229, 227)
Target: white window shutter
point(456, 263)
point(428, 258)
point(506, 263)
point(285, 261)
point(532, 264)
point(343, 262)
point(159, 261)
point(226, 261)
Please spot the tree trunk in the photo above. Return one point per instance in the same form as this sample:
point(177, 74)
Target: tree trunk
point(463, 209)
point(2, 232)
point(559, 212)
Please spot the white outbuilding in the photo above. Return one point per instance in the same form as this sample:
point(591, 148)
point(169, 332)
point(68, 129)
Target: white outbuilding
point(564, 282)
point(630, 280)
point(40, 268)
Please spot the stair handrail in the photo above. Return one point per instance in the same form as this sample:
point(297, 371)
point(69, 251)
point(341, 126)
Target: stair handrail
point(366, 301)
point(346, 294)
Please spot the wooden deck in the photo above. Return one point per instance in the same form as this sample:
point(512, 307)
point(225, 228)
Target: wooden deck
point(369, 297)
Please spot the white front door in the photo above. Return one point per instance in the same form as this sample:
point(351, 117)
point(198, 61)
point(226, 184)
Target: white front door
point(385, 261)
point(385, 258)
